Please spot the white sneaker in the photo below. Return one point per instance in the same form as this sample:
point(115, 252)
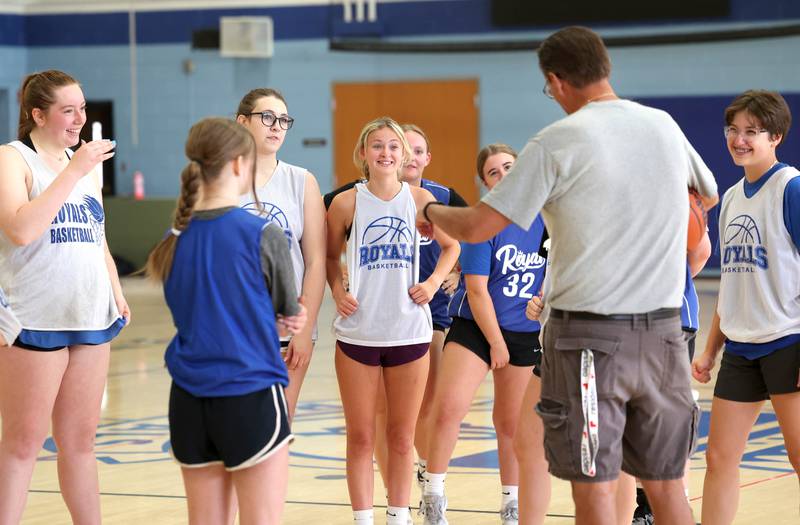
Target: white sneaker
point(409, 521)
point(509, 514)
point(433, 509)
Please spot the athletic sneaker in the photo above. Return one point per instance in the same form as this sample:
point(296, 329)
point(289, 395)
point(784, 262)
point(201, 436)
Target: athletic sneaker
point(409, 521)
point(433, 509)
point(421, 485)
point(509, 514)
point(643, 515)
point(420, 479)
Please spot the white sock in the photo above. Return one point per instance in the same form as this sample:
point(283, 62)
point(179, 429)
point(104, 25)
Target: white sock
point(396, 515)
point(363, 517)
point(509, 494)
point(434, 484)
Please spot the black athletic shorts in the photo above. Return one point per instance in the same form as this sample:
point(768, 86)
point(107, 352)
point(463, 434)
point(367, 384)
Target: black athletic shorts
point(523, 347)
point(237, 431)
point(744, 380)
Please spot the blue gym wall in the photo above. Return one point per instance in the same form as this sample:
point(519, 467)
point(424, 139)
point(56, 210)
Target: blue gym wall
point(692, 81)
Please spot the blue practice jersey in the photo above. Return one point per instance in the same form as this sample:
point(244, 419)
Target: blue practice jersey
point(690, 310)
point(226, 342)
point(515, 269)
point(429, 251)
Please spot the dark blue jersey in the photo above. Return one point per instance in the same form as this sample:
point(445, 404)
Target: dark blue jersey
point(690, 310)
point(226, 342)
point(429, 251)
point(515, 269)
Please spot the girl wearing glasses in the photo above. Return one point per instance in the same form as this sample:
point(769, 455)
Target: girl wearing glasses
point(384, 326)
point(758, 312)
point(289, 196)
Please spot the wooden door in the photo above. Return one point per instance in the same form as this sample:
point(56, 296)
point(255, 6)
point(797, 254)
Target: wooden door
point(445, 109)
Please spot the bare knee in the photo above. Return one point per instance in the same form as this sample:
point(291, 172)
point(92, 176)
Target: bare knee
point(75, 441)
point(447, 415)
point(360, 442)
point(528, 449)
point(590, 495)
point(24, 446)
point(719, 459)
point(504, 426)
point(400, 440)
point(658, 490)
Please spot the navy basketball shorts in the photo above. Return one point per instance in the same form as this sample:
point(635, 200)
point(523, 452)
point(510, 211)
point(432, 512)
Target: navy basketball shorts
point(236, 431)
point(747, 381)
point(523, 347)
point(385, 356)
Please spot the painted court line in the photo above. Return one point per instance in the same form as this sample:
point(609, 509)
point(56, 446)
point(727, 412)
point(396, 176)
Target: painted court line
point(756, 482)
point(288, 502)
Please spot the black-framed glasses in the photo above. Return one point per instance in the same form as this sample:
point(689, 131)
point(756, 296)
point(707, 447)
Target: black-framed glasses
point(546, 89)
point(268, 118)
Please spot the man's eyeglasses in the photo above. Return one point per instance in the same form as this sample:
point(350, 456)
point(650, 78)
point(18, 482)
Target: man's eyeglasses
point(546, 89)
point(268, 118)
point(748, 134)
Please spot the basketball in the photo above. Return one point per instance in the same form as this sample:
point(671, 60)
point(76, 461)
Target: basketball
point(698, 219)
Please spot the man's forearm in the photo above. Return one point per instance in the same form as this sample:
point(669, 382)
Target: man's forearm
point(475, 223)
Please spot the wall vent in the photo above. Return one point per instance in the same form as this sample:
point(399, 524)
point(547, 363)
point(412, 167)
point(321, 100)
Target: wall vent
point(246, 36)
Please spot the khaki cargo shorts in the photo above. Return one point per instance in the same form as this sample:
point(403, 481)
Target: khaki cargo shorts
point(639, 417)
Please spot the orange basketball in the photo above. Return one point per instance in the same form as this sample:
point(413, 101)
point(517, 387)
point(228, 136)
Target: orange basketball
point(698, 219)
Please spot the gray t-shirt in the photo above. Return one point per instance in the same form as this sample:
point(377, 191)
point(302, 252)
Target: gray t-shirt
point(611, 183)
point(275, 263)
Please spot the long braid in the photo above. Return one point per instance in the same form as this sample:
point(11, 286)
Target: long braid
point(191, 179)
point(159, 262)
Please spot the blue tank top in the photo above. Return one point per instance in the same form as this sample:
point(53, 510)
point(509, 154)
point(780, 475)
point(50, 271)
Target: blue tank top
point(226, 342)
point(429, 251)
point(690, 309)
point(515, 269)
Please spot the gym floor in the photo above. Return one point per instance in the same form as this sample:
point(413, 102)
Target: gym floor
point(140, 483)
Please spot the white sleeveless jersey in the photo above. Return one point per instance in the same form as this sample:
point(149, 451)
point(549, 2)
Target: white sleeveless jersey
point(383, 263)
point(759, 293)
point(282, 199)
point(60, 282)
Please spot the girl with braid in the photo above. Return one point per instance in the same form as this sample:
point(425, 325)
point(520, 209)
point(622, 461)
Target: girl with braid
point(226, 274)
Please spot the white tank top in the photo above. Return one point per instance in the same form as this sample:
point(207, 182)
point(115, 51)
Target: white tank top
point(383, 263)
point(759, 293)
point(60, 281)
point(282, 199)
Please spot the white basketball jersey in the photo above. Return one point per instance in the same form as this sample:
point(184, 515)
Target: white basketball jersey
point(282, 199)
point(383, 263)
point(60, 281)
point(759, 293)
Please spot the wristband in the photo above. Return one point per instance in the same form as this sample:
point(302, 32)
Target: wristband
point(425, 210)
